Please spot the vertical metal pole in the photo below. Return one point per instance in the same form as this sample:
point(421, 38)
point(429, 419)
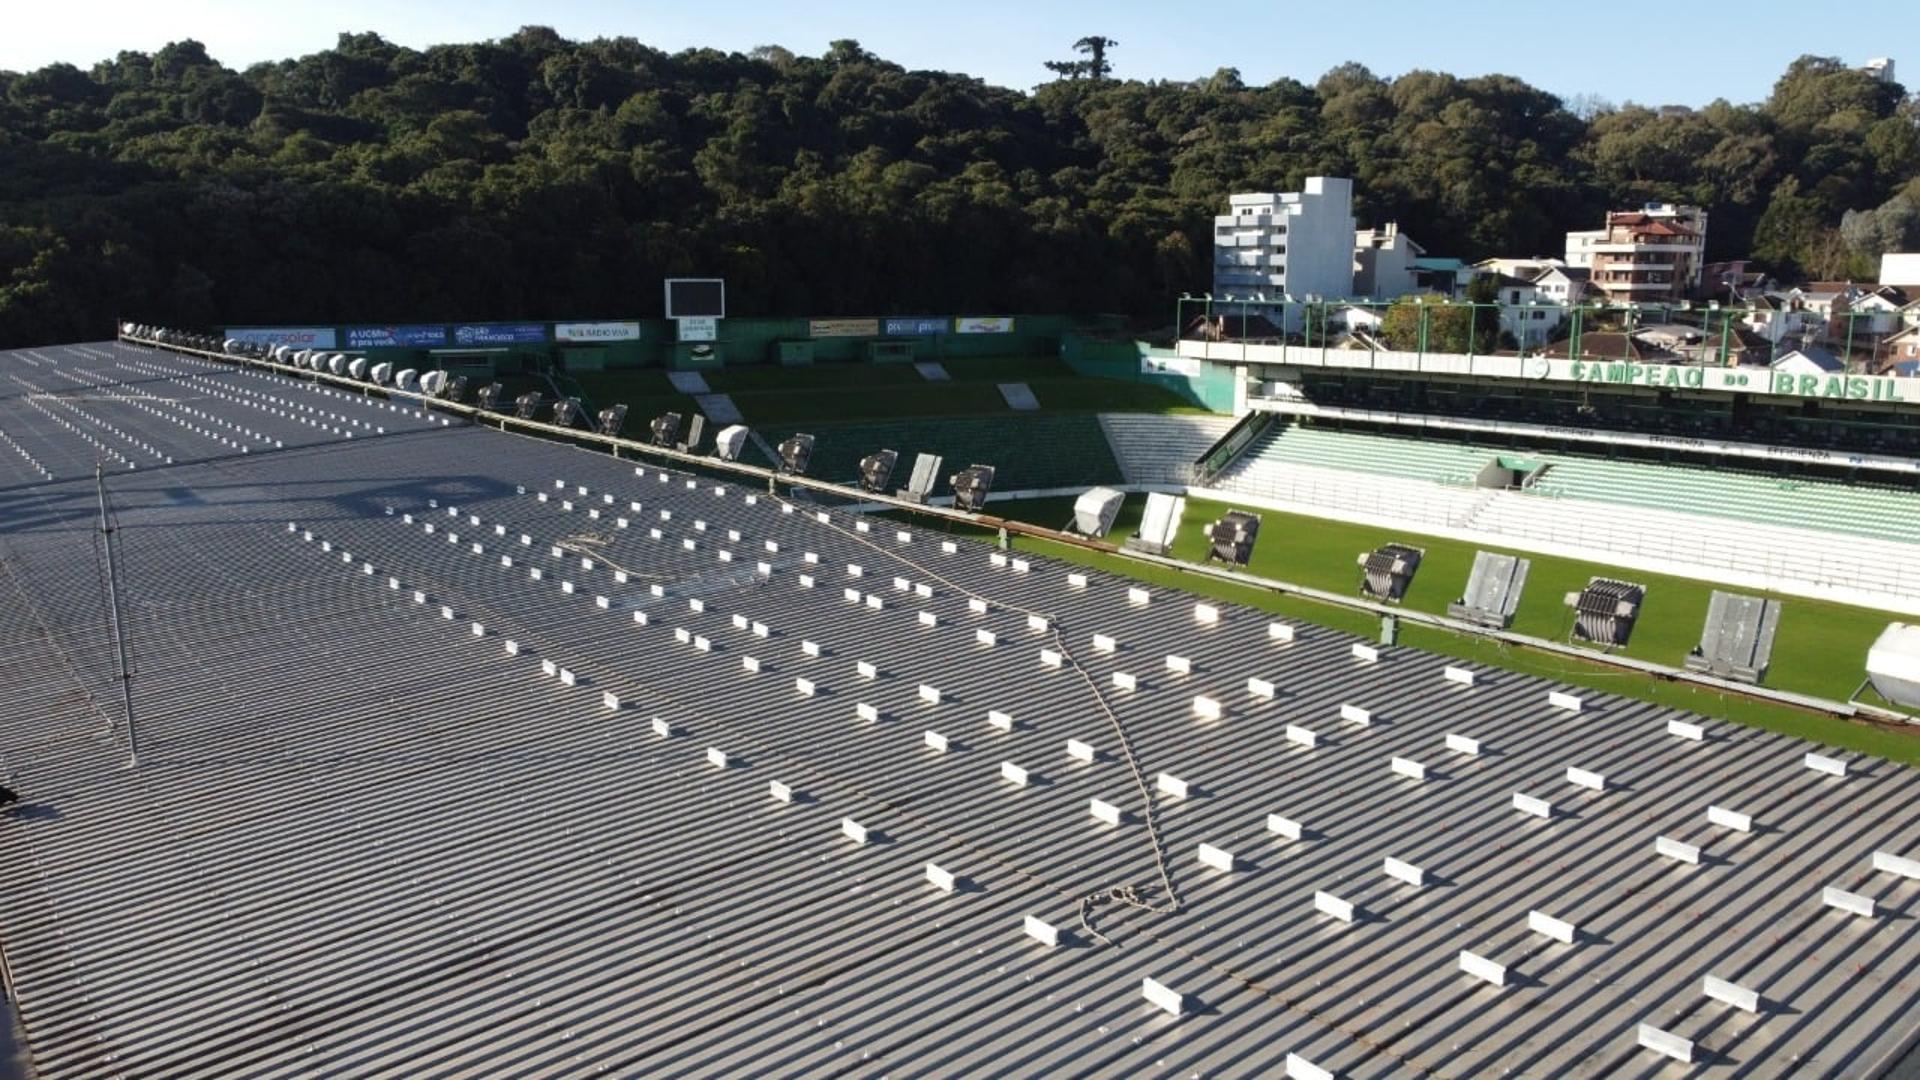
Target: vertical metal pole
point(1846, 358)
point(113, 617)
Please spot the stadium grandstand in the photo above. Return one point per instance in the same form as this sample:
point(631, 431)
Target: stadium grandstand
point(360, 726)
point(1805, 484)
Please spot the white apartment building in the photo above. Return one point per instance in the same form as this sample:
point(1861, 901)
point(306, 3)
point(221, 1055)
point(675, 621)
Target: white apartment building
point(1383, 261)
point(1650, 255)
point(1296, 244)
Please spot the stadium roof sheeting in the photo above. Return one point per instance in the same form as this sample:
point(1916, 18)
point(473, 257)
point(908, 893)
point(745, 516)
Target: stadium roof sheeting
point(367, 834)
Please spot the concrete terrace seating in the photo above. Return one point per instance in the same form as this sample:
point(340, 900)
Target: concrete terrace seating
point(1317, 490)
point(1154, 449)
point(1028, 452)
point(1727, 544)
point(1412, 459)
point(1818, 505)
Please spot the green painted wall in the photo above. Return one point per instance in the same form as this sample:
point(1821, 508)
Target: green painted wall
point(1108, 357)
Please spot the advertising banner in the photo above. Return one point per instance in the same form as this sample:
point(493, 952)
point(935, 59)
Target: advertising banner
point(500, 334)
point(1684, 377)
point(300, 337)
point(983, 324)
point(395, 337)
point(915, 326)
point(1171, 365)
point(843, 328)
point(596, 331)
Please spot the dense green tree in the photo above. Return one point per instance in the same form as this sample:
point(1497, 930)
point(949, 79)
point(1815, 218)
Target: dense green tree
point(1434, 323)
point(534, 176)
point(1095, 66)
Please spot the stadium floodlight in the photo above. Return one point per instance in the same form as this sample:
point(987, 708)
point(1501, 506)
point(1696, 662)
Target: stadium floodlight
point(357, 369)
point(926, 473)
point(664, 430)
point(1604, 611)
point(796, 453)
point(1893, 665)
point(876, 469)
point(1388, 570)
point(696, 430)
point(455, 389)
point(489, 397)
point(382, 372)
point(1737, 640)
point(1094, 511)
point(433, 382)
point(1159, 524)
point(526, 404)
point(1231, 538)
point(611, 418)
point(1493, 590)
point(729, 441)
point(337, 364)
point(970, 486)
point(564, 411)
point(408, 380)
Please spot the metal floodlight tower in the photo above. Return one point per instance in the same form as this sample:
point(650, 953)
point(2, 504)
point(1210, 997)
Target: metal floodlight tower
point(876, 469)
point(1230, 539)
point(796, 453)
point(970, 487)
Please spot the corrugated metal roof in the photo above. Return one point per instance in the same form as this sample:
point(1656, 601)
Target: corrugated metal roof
point(364, 839)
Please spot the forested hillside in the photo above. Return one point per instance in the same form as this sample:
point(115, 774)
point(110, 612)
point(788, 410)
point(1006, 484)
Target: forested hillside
point(539, 177)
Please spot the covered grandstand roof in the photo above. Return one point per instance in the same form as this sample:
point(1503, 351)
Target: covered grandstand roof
point(463, 752)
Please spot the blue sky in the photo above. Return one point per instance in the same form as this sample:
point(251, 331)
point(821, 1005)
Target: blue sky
point(1624, 50)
